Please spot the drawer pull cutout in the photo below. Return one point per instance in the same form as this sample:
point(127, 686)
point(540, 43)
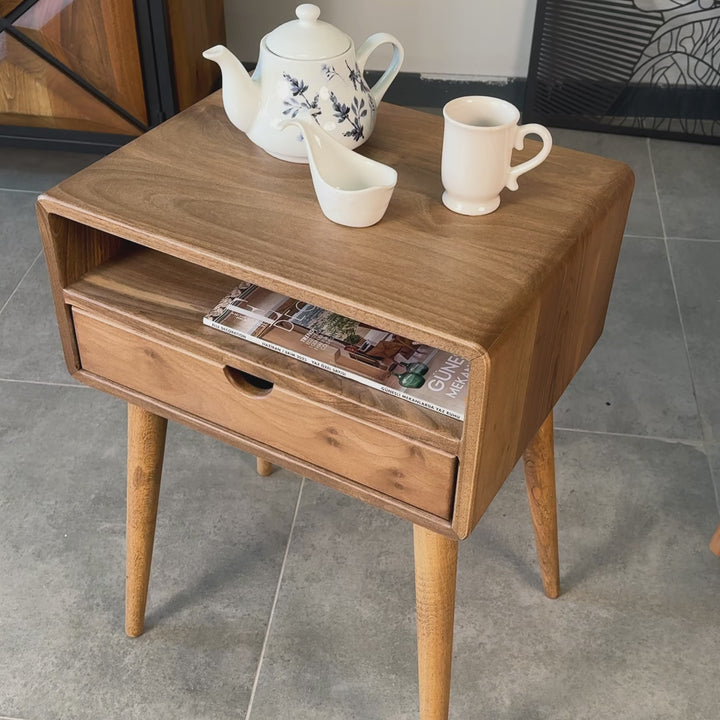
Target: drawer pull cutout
point(247, 383)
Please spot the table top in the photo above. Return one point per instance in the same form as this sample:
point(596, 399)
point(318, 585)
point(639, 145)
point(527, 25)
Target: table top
point(197, 188)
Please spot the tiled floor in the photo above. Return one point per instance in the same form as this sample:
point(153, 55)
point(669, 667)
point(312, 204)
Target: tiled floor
point(261, 608)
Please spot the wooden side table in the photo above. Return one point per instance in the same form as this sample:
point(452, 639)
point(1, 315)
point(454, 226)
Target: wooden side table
point(142, 243)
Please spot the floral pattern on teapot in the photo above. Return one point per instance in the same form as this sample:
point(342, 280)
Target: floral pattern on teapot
point(299, 104)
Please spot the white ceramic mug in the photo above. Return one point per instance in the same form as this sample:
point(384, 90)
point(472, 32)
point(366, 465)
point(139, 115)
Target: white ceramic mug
point(480, 133)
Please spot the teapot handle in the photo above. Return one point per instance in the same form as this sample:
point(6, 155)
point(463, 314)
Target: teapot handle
point(367, 48)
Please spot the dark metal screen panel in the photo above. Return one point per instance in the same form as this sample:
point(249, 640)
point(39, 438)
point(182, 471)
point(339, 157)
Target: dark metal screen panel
point(649, 67)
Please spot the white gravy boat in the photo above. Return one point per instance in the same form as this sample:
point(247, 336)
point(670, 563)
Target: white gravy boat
point(352, 190)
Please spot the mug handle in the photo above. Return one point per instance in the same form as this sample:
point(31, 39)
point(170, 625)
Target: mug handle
point(522, 131)
point(366, 49)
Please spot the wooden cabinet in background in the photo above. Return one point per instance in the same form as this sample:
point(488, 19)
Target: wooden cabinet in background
point(95, 73)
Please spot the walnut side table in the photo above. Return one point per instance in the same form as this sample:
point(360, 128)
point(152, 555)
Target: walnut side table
point(142, 243)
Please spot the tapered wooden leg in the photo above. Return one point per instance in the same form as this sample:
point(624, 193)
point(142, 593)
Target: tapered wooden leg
point(146, 447)
point(539, 460)
point(715, 542)
point(264, 467)
point(435, 574)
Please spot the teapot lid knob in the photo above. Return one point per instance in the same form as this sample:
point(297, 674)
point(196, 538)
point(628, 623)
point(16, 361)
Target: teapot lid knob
point(306, 38)
point(307, 12)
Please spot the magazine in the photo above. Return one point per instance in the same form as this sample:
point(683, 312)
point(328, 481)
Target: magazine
point(394, 364)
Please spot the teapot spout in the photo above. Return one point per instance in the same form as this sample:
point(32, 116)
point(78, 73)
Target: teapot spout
point(240, 93)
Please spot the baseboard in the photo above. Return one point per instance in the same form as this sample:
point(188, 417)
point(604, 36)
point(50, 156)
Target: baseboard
point(416, 90)
point(54, 139)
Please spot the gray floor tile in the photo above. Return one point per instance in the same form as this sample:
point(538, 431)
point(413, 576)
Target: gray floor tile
point(38, 170)
point(644, 218)
point(30, 346)
point(342, 642)
point(221, 538)
point(688, 178)
point(19, 239)
point(636, 380)
point(630, 636)
point(696, 266)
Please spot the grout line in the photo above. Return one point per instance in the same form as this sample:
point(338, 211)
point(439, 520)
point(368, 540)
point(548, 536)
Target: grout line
point(27, 272)
point(655, 187)
point(703, 426)
point(7, 717)
point(687, 239)
point(684, 441)
point(20, 190)
point(274, 605)
point(44, 382)
point(672, 237)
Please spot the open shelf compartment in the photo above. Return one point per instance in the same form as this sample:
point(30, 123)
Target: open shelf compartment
point(136, 320)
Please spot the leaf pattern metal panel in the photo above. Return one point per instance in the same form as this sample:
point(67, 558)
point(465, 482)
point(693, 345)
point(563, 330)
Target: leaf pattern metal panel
point(642, 66)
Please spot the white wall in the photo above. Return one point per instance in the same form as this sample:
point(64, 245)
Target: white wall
point(478, 38)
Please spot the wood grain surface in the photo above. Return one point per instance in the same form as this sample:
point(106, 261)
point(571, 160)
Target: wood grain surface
point(7, 6)
point(167, 298)
point(435, 579)
point(201, 191)
point(417, 474)
point(539, 462)
point(70, 251)
point(530, 364)
point(30, 86)
point(293, 464)
point(522, 292)
point(191, 32)
point(97, 40)
point(146, 447)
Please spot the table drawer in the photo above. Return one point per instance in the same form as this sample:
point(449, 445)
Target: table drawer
point(410, 471)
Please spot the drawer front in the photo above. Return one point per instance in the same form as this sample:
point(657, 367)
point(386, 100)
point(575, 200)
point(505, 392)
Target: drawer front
point(409, 471)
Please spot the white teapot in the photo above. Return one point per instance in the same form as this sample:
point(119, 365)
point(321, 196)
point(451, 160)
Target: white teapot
point(306, 68)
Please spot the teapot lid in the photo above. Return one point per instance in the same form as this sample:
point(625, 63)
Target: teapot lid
point(307, 38)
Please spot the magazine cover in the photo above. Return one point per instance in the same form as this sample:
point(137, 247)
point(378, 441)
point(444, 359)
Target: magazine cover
point(394, 364)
